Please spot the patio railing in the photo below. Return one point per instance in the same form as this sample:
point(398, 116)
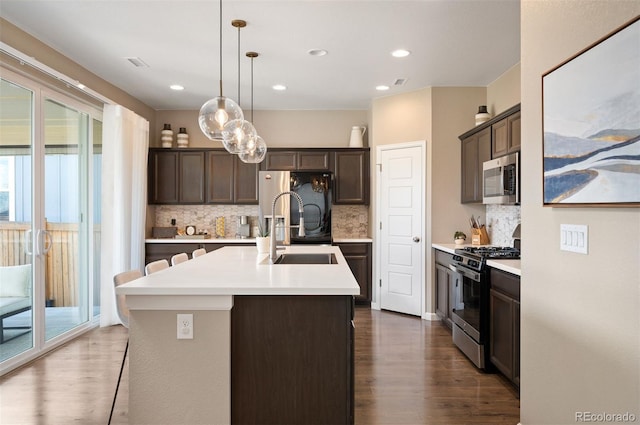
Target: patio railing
point(62, 260)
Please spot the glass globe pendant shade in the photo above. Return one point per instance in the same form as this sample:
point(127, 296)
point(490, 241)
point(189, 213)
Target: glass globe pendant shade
point(217, 112)
point(237, 135)
point(256, 153)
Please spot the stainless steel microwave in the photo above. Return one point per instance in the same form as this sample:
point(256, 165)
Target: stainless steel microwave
point(500, 180)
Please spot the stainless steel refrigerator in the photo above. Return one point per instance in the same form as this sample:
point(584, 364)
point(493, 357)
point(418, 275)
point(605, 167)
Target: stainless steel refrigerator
point(315, 189)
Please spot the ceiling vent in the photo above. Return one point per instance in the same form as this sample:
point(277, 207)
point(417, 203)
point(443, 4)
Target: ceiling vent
point(137, 62)
point(399, 81)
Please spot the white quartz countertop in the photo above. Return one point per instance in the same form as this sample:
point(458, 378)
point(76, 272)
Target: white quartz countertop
point(242, 271)
point(352, 240)
point(509, 266)
point(239, 240)
point(200, 240)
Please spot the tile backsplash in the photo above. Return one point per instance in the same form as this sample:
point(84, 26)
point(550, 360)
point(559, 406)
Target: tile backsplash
point(350, 221)
point(204, 216)
point(347, 221)
point(501, 222)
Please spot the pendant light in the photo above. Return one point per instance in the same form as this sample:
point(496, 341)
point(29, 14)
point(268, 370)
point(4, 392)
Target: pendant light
point(216, 112)
point(237, 134)
point(257, 147)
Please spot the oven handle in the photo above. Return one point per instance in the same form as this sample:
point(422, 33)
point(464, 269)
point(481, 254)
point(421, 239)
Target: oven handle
point(465, 273)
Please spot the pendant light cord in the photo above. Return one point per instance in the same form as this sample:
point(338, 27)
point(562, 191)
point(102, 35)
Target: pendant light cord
point(252, 89)
point(220, 48)
point(239, 65)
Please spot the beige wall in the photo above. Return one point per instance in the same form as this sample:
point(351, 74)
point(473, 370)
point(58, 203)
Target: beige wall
point(453, 113)
point(504, 92)
point(438, 115)
point(161, 366)
point(32, 47)
point(580, 313)
point(278, 128)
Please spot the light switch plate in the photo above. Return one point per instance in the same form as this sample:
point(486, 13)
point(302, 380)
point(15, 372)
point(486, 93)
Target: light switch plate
point(574, 238)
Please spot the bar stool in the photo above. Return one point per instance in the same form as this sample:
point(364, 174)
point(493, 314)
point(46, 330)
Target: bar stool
point(198, 252)
point(156, 266)
point(179, 258)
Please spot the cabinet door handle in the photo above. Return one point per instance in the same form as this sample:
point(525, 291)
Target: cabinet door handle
point(416, 239)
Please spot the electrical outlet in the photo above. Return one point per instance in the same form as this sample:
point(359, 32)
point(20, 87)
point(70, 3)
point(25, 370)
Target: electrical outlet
point(185, 326)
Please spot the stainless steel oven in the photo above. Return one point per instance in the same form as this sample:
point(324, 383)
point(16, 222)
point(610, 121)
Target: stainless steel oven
point(470, 317)
point(471, 314)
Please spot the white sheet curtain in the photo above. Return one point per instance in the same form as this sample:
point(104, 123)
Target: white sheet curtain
point(125, 142)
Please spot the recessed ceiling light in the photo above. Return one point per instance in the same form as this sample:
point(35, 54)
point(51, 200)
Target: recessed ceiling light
point(279, 87)
point(80, 86)
point(317, 52)
point(382, 88)
point(400, 53)
point(176, 87)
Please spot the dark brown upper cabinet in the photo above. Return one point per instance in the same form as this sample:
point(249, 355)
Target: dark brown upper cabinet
point(298, 160)
point(351, 169)
point(176, 177)
point(476, 149)
point(506, 136)
point(229, 180)
point(245, 187)
point(181, 176)
point(213, 176)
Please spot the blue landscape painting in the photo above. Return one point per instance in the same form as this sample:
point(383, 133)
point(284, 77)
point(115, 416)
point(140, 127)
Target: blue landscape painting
point(592, 124)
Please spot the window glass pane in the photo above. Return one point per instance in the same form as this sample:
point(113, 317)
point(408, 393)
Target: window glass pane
point(66, 287)
point(97, 205)
point(16, 270)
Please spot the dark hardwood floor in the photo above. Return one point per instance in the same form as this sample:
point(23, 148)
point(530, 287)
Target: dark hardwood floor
point(407, 372)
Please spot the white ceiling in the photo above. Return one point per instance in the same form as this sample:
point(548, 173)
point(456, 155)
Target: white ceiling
point(453, 43)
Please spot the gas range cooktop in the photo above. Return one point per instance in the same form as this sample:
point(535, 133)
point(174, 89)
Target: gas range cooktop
point(490, 252)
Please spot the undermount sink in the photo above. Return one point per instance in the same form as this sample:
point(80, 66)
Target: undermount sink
point(306, 259)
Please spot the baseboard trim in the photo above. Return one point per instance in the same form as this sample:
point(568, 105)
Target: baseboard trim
point(430, 316)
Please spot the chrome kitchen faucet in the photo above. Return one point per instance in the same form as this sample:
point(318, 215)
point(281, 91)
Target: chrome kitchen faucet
point(272, 251)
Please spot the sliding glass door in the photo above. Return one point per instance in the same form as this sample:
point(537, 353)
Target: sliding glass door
point(49, 214)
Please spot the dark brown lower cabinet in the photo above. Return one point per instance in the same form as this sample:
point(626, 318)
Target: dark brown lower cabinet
point(504, 332)
point(443, 294)
point(446, 287)
point(358, 256)
point(292, 360)
point(159, 251)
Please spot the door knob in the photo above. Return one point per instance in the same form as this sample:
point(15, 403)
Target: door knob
point(416, 239)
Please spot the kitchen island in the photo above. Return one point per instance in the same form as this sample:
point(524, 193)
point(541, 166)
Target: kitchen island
point(271, 343)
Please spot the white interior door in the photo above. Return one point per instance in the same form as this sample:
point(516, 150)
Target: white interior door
point(401, 216)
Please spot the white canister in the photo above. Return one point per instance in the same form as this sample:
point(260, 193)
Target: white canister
point(357, 132)
point(482, 116)
point(167, 136)
point(183, 138)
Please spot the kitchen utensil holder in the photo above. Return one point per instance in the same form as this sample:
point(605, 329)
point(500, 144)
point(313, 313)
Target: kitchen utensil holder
point(479, 236)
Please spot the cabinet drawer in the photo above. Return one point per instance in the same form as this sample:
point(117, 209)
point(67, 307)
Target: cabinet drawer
point(506, 283)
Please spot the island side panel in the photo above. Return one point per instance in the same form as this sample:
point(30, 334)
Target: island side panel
point(179, 381)
point(292, 360)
